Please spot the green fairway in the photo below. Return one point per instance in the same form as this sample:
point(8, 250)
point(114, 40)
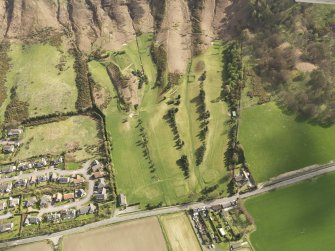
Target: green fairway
point(276, 143)
point(77, 136)
point(300, 217)
point(163, 180)
point(43, 77)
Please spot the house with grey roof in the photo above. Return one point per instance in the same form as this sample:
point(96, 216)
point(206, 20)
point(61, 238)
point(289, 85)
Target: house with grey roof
point(69, 214)
point(102, 195)
point(32, 220)
point(8, 169)
point(64, 180)
point(6, 187)
point(90, 209)
point(30, 202)
point(21, 183)
point(79, 193)
point(53, 217)
point(14, 202)
point(122, 200)
point(6, 227)
point(45, 201)
point(14, 132)
point(8, 149)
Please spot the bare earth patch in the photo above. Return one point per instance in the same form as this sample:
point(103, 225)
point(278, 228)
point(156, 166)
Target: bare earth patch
point(139, 235)
point(305, 66)
point(207, 18)
point(43, 246)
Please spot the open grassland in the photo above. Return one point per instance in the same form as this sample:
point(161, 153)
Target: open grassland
point(77, 136)
point(43, 246)
point(179, 232)
point(160, 179)
point(301, 217)
point(43, 76)
point(139, 235)
point(276, 143)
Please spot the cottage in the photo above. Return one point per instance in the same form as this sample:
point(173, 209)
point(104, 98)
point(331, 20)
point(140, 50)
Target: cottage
point(90, 209)
point(68, 196)
point(45, 200)
point(53, 177)
point(6, 227)
point(32, 220)
point(63, 180)
point(53, 217)
point(80, 193)
point(6, 187)
point(3, 205)
point(99, 174)
point(14, 132)
point(30, 202)
point(78, 179)
point(14, 202)
point(69, 214)
point(8, 169)
point(8, 149)
point(58, 197)
point(21, 183)
point(122, 200)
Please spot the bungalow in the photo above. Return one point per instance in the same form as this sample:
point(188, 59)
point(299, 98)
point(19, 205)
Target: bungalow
point(14, 132)
point(6, 187)
point(24, 166)
point(53, 217)
point(41, 179)
point(13, 202)
point(57, 161)
point(3, 205)
point(41, 163)
point(99, 174)
point(63, 180)
point(79, 193)
point(69, 214)
point(122, 200)
point(30, 202)
point(32, 220)
point(58, 197)
point(8, 149)
point(8, 169)
point(68, 196)
point(90, 209)
point(45, 200)
point(78, 179)
point(21, 183)
point(53, 177)
point(101, 196)
point(6, 227)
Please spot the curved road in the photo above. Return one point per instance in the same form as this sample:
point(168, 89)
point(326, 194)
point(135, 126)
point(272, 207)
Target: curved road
point(290, 179)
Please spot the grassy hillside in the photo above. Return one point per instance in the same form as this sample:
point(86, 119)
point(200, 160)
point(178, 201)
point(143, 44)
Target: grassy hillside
point(301, 216)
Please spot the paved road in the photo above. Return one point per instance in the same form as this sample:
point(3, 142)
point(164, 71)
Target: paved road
point(317, 1)
point(290, 179)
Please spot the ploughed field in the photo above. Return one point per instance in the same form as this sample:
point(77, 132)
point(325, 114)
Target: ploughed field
point(275, 142)
point(300, 217)
point(140, 235)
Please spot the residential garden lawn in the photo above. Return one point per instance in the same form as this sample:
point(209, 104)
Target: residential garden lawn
point(72, 166)
point(38, 82)
point(300, 217)
point(275, 142)
point(179, 233)
point(134, 176)
point(12, 234)
point(77, 136)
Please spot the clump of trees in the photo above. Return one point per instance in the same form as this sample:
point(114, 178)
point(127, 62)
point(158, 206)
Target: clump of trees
point(142, 78)
point(170, 117)
point(184, 165)
point(16, 111)
point(143, 142)
point(159, 57)
point(158, 11)
point(4, 67)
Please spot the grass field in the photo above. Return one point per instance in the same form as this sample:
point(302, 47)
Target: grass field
point(302, 217)
point(275, 143)
point(33, 246)
point(139, 235)
point(77, 136)
point(36, 75)
point(179, 232)
point(164, 182)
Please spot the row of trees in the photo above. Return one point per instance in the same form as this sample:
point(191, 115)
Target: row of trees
point(170, 117)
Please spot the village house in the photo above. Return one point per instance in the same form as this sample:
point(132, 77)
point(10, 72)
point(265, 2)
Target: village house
point(8, 169)
point(33, 180)
point(30, 202)
point(53, 217)
point(6, 227)
point(14, 132)
point(68, 196)
point(69, 214)
point(64, 180)
point(96, 166)
point(8, 149)
point(45, 201)
point(101, 196)
point(80, 193)
point(3, 205)
point(21, 183)
point(6, 187)
point(99, 174)
point(41, 179)
point(53, 177)
point(24, 166)
point(14, 202)
point(32, 220)
point(78, 179)
point(57, 161)
point(101, 183)
point(90, 209)
point(122, 200)
point(58, 197)
point(41, 163)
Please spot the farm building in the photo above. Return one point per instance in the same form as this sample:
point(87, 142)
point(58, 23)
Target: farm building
point(122, 200)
